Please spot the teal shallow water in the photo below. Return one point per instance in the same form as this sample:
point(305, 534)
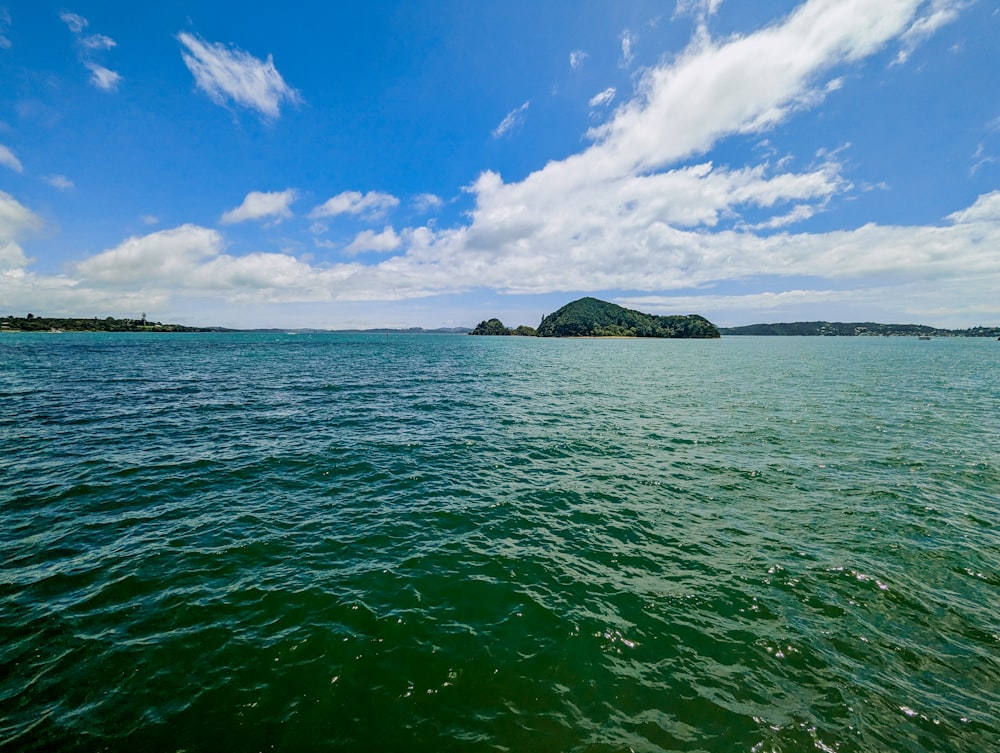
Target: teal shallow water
point(443, 543)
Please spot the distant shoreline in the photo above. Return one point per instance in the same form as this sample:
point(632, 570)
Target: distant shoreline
point(57, 325)
point(854, 329)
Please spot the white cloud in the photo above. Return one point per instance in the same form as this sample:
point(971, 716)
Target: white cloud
point(700, 8)
point(260, 204)
point(149, 219)
point(75, 22)
point(97, 42)
point(230, 74)
point(103, 78)
point(164, 257)
point(427, 202)
point(798, 213)
point(371, 205)
point(189, 261)
point(628, 54)
point(981, 158)
point(59, 181)
point(603, 98)
point(15, 219)
point(369, 240)
point(576, 59)
point(941, 12)
point(986, 209)
point(513, 120)
point(89, 49)
point(742, 85)
point(9, 160)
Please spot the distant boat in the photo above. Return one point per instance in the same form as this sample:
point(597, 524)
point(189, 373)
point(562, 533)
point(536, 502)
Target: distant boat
point(925, 337)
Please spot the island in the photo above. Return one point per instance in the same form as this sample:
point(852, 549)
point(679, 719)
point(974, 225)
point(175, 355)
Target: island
point(857, 329)
point(496, 327)
point(591, 317)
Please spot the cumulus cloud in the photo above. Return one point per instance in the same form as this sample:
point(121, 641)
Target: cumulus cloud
point(9, 160)
point(227, 74)
point(371, 205)
point(190, 261)
point(514, 119)
point(167, 256)
point(260, 204)
point(369, 240)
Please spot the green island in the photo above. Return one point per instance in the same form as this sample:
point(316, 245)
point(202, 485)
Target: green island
point(591, 317)
point(857, 329)
point(32, 323)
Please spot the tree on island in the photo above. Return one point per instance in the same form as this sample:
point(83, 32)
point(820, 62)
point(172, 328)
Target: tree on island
point(490, 327)
point(591, 317)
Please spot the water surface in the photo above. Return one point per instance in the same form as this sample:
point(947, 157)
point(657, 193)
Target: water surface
point(236, 542)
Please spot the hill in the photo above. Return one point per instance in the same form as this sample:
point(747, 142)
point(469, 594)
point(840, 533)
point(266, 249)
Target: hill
point(856, 329)
point(591, 317)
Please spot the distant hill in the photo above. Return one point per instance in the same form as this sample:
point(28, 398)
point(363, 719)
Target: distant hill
point(856, 329)
point(32, 323)
point(590, 317)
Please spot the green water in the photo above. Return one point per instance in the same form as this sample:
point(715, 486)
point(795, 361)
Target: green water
point(236, 542)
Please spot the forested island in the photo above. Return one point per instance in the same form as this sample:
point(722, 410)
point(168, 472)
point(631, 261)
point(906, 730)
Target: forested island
point(32, 323)
point(591, 317)
point(857, 329)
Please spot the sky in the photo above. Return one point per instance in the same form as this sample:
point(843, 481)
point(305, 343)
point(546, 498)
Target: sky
point(434, 163)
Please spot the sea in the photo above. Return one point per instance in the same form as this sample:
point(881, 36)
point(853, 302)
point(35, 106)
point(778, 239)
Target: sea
point(421, 542)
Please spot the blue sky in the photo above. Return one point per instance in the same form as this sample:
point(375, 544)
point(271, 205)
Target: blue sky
point(437, 163)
